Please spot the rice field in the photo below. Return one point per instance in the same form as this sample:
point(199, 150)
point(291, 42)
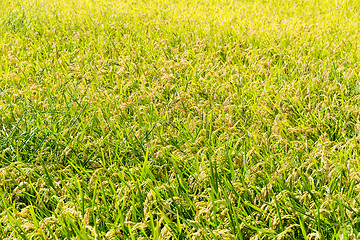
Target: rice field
point(174, 119)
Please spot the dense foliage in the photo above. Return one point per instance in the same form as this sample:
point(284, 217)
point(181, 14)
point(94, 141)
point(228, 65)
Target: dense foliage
point(173, 119)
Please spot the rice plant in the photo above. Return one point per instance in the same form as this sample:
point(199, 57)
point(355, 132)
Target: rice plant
point(173, 119)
